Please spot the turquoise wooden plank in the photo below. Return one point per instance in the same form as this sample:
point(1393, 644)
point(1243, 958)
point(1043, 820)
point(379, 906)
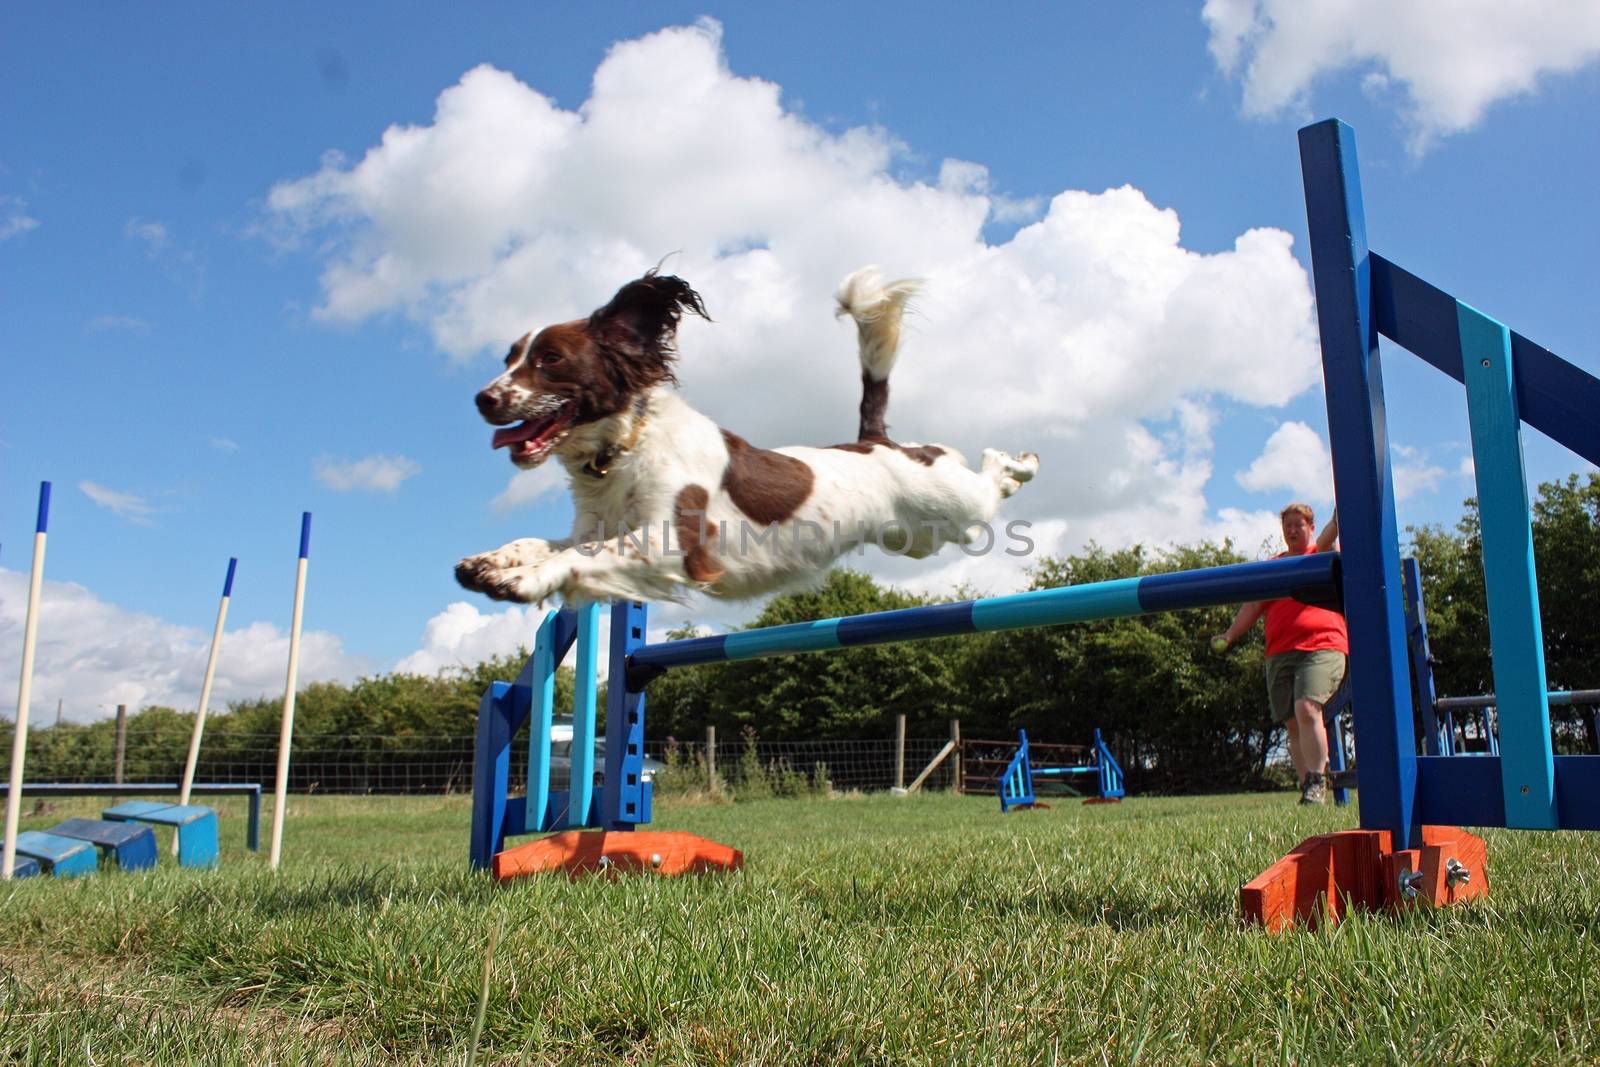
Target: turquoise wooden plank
point(818, 636)
point(1515, 639)
point(156, 812)
point(580, 787)
point(134, 809)
point(543, 697)
point(1046, 607)
point(65, 857)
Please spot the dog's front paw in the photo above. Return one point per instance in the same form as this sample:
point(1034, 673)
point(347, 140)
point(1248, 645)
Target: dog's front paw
point(477, 573)
point(523, 585)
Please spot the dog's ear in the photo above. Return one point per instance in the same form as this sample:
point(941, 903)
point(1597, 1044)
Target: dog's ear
point(640, 325)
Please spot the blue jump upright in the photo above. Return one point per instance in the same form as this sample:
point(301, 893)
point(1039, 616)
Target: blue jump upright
point(496, 814)
point(1410, 801)
point(593, 828)
point(1016, 781)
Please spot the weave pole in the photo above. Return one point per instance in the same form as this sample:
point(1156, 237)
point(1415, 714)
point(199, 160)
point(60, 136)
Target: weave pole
point(205, 695)
point(286, 730)
point(19, 743)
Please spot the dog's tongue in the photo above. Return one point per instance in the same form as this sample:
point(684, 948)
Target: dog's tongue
point(515, 435)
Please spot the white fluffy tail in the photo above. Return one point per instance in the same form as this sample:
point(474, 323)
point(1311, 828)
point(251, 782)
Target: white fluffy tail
point(877, 308)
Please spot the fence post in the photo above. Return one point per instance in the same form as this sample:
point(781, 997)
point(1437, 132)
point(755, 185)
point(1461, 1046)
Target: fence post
point(955, 739)
point(122, 742)
point(899, 751)
point(711, 759)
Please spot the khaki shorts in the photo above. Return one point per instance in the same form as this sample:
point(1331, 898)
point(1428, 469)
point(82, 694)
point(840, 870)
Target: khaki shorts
point(1296, 675)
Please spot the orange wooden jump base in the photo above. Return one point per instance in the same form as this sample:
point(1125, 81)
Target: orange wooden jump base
point(612, 853)
point(1329, 874)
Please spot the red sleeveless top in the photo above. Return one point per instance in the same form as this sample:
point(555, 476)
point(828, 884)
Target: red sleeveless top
point(1293, 626)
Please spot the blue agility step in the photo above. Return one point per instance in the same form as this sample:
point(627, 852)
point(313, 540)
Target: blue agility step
point(63, 856)
point(133, 847)
point(23, 867)
point(196, 827)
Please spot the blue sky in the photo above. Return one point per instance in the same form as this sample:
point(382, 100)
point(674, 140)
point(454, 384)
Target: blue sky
point(254, 262)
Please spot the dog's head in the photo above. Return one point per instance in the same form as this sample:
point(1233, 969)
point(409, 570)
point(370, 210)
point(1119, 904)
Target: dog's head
point(574, 373)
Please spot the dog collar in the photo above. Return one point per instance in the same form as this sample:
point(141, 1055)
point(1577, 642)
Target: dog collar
point(600, 465)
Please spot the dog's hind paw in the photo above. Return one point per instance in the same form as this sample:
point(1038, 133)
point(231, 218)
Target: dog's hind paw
point(1008, 471)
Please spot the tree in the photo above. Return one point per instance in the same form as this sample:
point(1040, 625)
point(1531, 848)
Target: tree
point(852, 693)
point(1566, 540)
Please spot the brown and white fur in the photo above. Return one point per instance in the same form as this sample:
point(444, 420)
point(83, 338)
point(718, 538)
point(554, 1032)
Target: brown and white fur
point(667, 501)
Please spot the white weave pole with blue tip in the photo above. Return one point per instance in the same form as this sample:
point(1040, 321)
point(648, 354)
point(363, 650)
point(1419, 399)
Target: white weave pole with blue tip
point(286, 731)
point(19, 743)
point(205, 696)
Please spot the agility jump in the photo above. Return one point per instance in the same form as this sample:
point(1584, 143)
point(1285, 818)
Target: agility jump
point(624, 799)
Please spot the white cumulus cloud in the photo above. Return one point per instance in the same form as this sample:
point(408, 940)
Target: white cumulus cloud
point(1448, 60)
point(1092, 336)
point(93, 655)
point(462, 635)
point(373, 474)
point(529, 487)
point(1294, 459)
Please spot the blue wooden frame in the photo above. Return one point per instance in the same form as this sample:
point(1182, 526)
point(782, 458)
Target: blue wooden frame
point(1509, 381)
point(1102, 764)
point(625, 799)
point(1015, 787)
point(504, 709)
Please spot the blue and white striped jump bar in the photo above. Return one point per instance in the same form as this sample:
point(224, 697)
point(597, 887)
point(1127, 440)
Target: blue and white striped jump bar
point(1314, 578)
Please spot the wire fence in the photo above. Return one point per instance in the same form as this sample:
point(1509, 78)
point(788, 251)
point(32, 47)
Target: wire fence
point(355, 764)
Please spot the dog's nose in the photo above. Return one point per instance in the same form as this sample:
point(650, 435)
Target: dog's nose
point(486, 402)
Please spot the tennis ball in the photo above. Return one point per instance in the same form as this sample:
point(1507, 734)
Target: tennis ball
point(1219, 645)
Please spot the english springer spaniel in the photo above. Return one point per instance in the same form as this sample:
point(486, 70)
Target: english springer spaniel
point(667, 501)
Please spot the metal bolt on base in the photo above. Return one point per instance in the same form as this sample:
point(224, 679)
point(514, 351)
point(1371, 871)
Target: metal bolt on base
point(1410, 883)
point(1456, 873)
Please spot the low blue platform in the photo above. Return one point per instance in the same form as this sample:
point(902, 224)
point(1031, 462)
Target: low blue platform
point(133, 847)
point(196, 827)
point(64, 857)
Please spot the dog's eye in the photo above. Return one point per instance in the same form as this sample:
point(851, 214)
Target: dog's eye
point(549, 358)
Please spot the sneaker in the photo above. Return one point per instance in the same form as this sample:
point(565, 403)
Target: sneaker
point(1315, 790)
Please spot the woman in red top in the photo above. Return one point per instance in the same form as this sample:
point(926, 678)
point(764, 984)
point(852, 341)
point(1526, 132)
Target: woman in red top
point(1307, 652)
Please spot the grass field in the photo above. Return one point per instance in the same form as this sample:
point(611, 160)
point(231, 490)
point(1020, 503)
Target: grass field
point(862, 930)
